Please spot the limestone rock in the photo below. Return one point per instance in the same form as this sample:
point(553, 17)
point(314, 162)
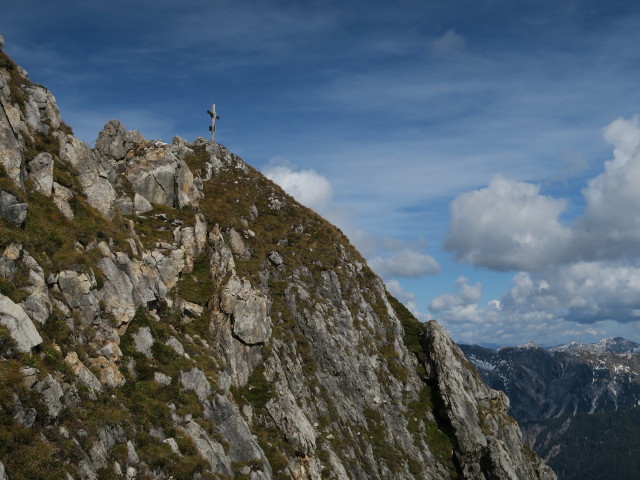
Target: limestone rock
point(161, 379)
point(10, 147)
point(61, 197)
point(243, 448)
point(37, 305)
point(499, 454)
point(95, 174)
point(190, 309)
point(40, 110)
point(221, 262)
point(248, 310)
point(141, 205)
point(25, 417)
point(172, 444)
point(196, 381)
point(11, 210)
point(40, 170)
point(175, 344)
point(20, 326)
point(115, 142)
point(85, 375)
point(236, 243)
point(124, 205)
point(109, 374)
point(51, 392)
point(77, 289)
point(293, 422)
point(212, 451)
point(118, 292)
point(143, 341)
point(275, 258)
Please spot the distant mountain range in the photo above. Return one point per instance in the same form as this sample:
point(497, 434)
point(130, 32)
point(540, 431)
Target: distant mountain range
point(575, 402)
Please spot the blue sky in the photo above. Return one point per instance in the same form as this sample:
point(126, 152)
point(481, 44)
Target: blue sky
point(462, 145)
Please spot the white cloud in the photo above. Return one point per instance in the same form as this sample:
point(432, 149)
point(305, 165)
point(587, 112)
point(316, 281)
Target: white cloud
point(507, 226)
point(572, 302)
point(610, 226)
point(461, 306)
point(306, 186)
point(405, 263)
point(447, 44)
point(584, 292)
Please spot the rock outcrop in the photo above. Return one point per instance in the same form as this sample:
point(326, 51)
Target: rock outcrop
point(168, 312)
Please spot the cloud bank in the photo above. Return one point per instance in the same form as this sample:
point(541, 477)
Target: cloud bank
point(405, 263)
point(509, 225)
point(586, 272)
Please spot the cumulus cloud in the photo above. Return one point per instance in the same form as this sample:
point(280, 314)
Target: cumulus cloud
point(405, 263)
point(571, 302)
point(447, 44)
point(574, 279)
point(610, 226)
point(461, 306)
point(306, 186)
point(584, 292)
point(509, 225)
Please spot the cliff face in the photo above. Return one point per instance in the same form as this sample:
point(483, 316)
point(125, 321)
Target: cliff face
point(168, 312)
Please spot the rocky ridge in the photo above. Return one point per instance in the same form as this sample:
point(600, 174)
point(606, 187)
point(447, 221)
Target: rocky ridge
point(168, 312)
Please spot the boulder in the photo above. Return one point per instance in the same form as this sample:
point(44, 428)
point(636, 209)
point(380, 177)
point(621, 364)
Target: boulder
point(85, 375)
point(196, 381)
point(141, 205)
point(51, 392)
point(20, 326)
point(77, 289)
point(61, 197)
point(109, 374)
point(143, 341)
point(11, 209)
point(40, 170)
point(161, 379)
point(175, 344)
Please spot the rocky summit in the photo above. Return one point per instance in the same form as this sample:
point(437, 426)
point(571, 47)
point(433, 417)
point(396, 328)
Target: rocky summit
point(166, 312)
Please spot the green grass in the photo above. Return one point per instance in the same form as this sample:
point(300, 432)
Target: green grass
point(197, 286)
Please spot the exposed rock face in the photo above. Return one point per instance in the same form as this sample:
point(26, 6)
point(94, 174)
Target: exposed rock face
point(182, 317)
point(488, 439)
point(20, 326)
point(11, 210)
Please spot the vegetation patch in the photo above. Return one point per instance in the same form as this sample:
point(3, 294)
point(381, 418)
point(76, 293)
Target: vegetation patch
point(197, 286)
point(198, 160)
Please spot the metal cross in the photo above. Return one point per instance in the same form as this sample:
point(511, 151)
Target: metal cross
point(214, 117)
